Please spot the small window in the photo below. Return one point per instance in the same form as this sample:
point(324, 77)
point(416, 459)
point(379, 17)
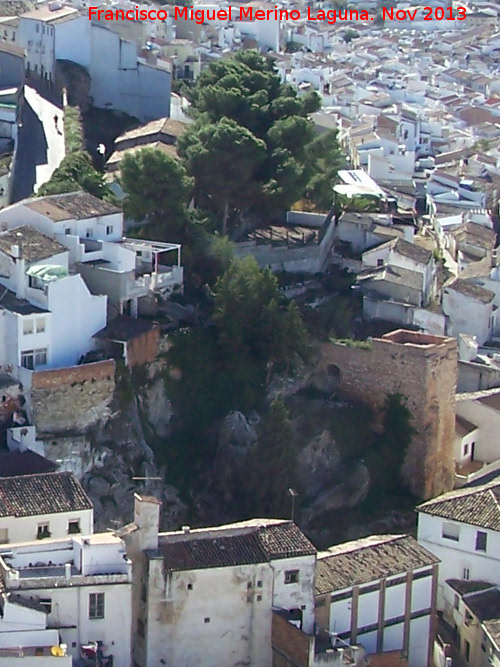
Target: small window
point(259, 584)
point(40, 357)
point(40, 325)
point(67, 231)
point(96, 606)
point(451, 532)
point(292, 577)
point(27, 327)
point(88, 233)
point(42, 531)
point(190, 587)
point(74, 527)
point(46, 603)
point(249, 585)
point(466, 574)
point(207, 619)
point(467, 650)
point(259, 598)
point(481, 541)
point(109, 230)
point(466, 449)
point(380, 262)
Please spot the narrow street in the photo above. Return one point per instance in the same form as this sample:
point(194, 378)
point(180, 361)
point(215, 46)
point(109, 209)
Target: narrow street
point(41, 145)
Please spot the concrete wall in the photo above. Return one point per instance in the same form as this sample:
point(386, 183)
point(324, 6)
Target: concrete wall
point(307, 259)
point(467, 316)
point(425, 372)
point(24, 529)
point(476, 377)
point(403, 313)
point(70, 399)
point(487, 419)
point(192, 627)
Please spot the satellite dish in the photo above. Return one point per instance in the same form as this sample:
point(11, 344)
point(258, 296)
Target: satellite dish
point(57, 651)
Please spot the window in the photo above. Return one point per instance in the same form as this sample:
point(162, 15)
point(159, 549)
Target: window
point(456, 602)
point(37, 27)
point(73, 527)
point(96, 605)
point(109, 229)
point(259, 598)
point(466, 449)
point(450, 532)
point(259, 584)
point(380, 262)
point(40, 325)
point(190, 587)
point(67, 231)
point(481, 541)
point(27, 327)
point(466, 574)
point(249, 585)
point(30, 359)
point(42, 531)
point(88, 233)
point(207, 619)
point(46, 603)
point(292, 577)
point(467, 650)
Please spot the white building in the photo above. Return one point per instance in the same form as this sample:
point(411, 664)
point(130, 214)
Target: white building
point(84, 584)
point(469, 309)
point(36, 507)
point(125, 270)
point(379, 592)
point(24, 636)
point(48, 315)
point(206, 596)
point(462, 528)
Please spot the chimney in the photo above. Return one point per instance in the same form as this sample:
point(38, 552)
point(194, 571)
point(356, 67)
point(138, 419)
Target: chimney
point(186, 529)
point(67, 571)
point(147, 519)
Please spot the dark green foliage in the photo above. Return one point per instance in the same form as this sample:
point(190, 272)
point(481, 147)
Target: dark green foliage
point(76, 172)
point(272, 465)
point(158, 191)
point(253, 317)
point(245, 97)
point(224, 159)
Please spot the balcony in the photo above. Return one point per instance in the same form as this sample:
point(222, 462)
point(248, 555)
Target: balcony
point(165, 279)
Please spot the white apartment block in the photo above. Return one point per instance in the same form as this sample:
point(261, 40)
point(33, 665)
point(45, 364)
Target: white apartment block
point(84, 585)
point(379, 592)
point(462, 528)
point(46, 505)
point(206, 596)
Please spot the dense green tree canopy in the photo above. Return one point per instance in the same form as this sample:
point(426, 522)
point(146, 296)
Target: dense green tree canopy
point(157, 189)
point(273, 159)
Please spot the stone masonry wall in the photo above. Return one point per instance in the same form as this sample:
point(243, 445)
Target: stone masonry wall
point(422, 368)
point(69, 400)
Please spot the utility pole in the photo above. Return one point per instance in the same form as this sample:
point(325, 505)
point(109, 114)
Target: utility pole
point(293, 494)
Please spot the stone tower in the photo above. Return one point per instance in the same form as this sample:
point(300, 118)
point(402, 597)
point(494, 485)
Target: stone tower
point(421, 367)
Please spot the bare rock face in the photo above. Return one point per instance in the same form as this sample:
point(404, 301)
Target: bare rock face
point(350, 489)
point(318, 461)
point(238, 430)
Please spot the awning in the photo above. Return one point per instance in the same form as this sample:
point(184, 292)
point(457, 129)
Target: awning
point(47, 273)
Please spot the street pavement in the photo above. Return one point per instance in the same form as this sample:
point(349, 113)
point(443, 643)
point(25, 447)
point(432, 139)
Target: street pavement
point(41, 145)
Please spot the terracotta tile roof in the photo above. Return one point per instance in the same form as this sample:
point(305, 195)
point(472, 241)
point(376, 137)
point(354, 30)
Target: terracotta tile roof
point(369, 559)
point(72, 205)
point(477, 506)
point(46, 493)
point(35, 245)
point(225, 547)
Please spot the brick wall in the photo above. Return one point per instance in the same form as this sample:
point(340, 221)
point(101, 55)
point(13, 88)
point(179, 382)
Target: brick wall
point(99, 370)
point(69, 400)
point(422, 368)
point(290, 645)
point(143, 349)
